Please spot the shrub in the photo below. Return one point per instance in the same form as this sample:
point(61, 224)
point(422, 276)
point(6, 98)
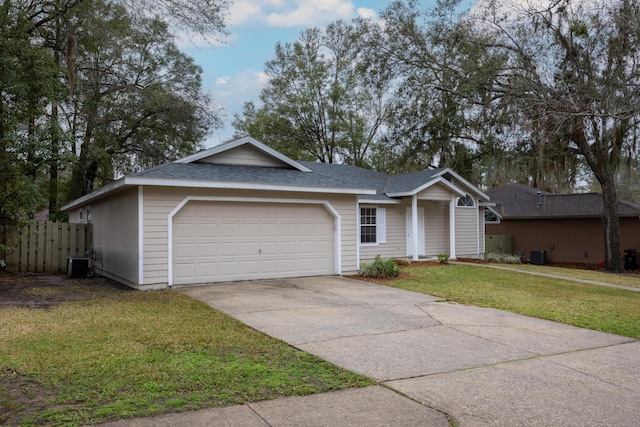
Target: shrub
point(502, 258)
point(379, 268)
point(402, 262)
point(443, 258)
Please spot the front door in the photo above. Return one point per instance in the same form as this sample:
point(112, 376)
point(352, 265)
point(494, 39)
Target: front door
point(420, 232)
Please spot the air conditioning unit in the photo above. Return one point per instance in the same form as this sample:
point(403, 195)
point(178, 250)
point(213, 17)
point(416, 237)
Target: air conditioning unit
point(630, 259)
point(77, 267)
point(538, 257)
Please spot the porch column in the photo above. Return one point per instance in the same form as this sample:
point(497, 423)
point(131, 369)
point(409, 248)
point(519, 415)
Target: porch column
point(452, 227)
point(414, 225)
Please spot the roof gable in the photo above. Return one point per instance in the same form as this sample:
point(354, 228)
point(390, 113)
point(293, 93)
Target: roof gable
point(244, 152)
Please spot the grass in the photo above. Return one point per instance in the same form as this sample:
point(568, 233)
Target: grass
point(630, 280)
point(130, 354)
point(589, 306)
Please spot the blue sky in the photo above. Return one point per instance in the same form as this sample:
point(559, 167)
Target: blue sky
point(233, 72)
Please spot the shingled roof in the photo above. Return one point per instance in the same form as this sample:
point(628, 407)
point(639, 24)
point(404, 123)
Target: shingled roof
point(365, 178)
point(516, 201)
point(270, 170)
point(247, 174)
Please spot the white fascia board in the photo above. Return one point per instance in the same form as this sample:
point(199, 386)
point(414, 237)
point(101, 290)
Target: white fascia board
point(467, 184)
point(245, 186)
point(242, 141)
point(486, 204)
point(438, 180)
point(135, 181)
point(96, 194)
point(366, 201)
point(494, 211)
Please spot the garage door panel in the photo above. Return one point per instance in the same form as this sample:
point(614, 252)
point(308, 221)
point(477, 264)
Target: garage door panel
point(208, 250)
point(224, 241)
point(185, 250)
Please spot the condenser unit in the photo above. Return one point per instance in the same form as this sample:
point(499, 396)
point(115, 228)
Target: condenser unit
point(538, 257)
point(77, 267)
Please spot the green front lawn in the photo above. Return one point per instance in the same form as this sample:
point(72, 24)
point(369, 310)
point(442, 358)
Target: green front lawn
point(629, 280)
point(589, 306)
point(131, 353)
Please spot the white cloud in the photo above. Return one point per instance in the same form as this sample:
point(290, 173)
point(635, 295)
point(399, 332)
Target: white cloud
point(232, 92)
point(291, 13)
point(367, 13)
point(222, 81)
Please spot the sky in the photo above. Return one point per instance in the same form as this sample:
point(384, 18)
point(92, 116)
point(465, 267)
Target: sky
point(233, 72)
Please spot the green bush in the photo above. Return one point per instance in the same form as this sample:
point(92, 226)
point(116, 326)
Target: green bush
point(379, 268)
point(443, 258)
point(502, 258)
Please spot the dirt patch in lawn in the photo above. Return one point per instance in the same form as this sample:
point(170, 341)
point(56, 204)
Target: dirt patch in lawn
point(19, 393)
point(46, 290)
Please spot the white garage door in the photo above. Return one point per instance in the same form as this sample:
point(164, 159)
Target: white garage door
point(227, 241)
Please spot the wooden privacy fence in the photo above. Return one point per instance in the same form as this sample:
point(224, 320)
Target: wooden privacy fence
point(43, 246)
point(498, 244)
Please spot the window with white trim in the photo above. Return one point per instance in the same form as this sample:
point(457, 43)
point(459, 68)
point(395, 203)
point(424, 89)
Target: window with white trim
point(466, 201)
point(490, 217)
point(373, 225)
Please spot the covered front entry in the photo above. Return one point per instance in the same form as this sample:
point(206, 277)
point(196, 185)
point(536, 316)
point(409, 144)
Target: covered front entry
point(218, 241)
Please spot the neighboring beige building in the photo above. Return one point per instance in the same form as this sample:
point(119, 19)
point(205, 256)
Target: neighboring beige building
point(242, 211)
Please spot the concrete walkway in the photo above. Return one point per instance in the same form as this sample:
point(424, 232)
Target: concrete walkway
point(482, 367)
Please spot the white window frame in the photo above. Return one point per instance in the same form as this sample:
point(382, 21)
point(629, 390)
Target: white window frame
point(467, 198)
point(380, 215)
point(486, 221)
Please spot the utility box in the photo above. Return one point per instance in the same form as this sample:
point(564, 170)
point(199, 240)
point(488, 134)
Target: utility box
point(537, 257)
point(630, 259)
point(77, 267)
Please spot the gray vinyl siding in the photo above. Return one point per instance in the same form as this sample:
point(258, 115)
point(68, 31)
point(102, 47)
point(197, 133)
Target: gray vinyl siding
point(481, 231)
point(243, 155)
point(115, 236)
point(396, 245)
point(435, 192)
point(436, 231)
point(160, 201)
point(436, 224)
point(466, 231)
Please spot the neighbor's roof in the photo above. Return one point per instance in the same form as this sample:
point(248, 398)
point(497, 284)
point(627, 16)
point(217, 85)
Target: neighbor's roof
point(520, 202)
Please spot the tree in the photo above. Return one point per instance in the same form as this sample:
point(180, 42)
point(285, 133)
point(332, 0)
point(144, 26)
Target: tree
point(29, 80)
point(141, 102)
point(438, 117)
point(52, 24)
point(573, 74)
point(319, 103)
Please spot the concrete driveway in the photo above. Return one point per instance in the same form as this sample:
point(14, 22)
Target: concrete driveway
point(483, 367)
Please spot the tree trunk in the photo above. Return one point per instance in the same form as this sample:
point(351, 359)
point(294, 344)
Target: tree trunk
point(54, 150)
point(611, 222)
point(610, 217)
